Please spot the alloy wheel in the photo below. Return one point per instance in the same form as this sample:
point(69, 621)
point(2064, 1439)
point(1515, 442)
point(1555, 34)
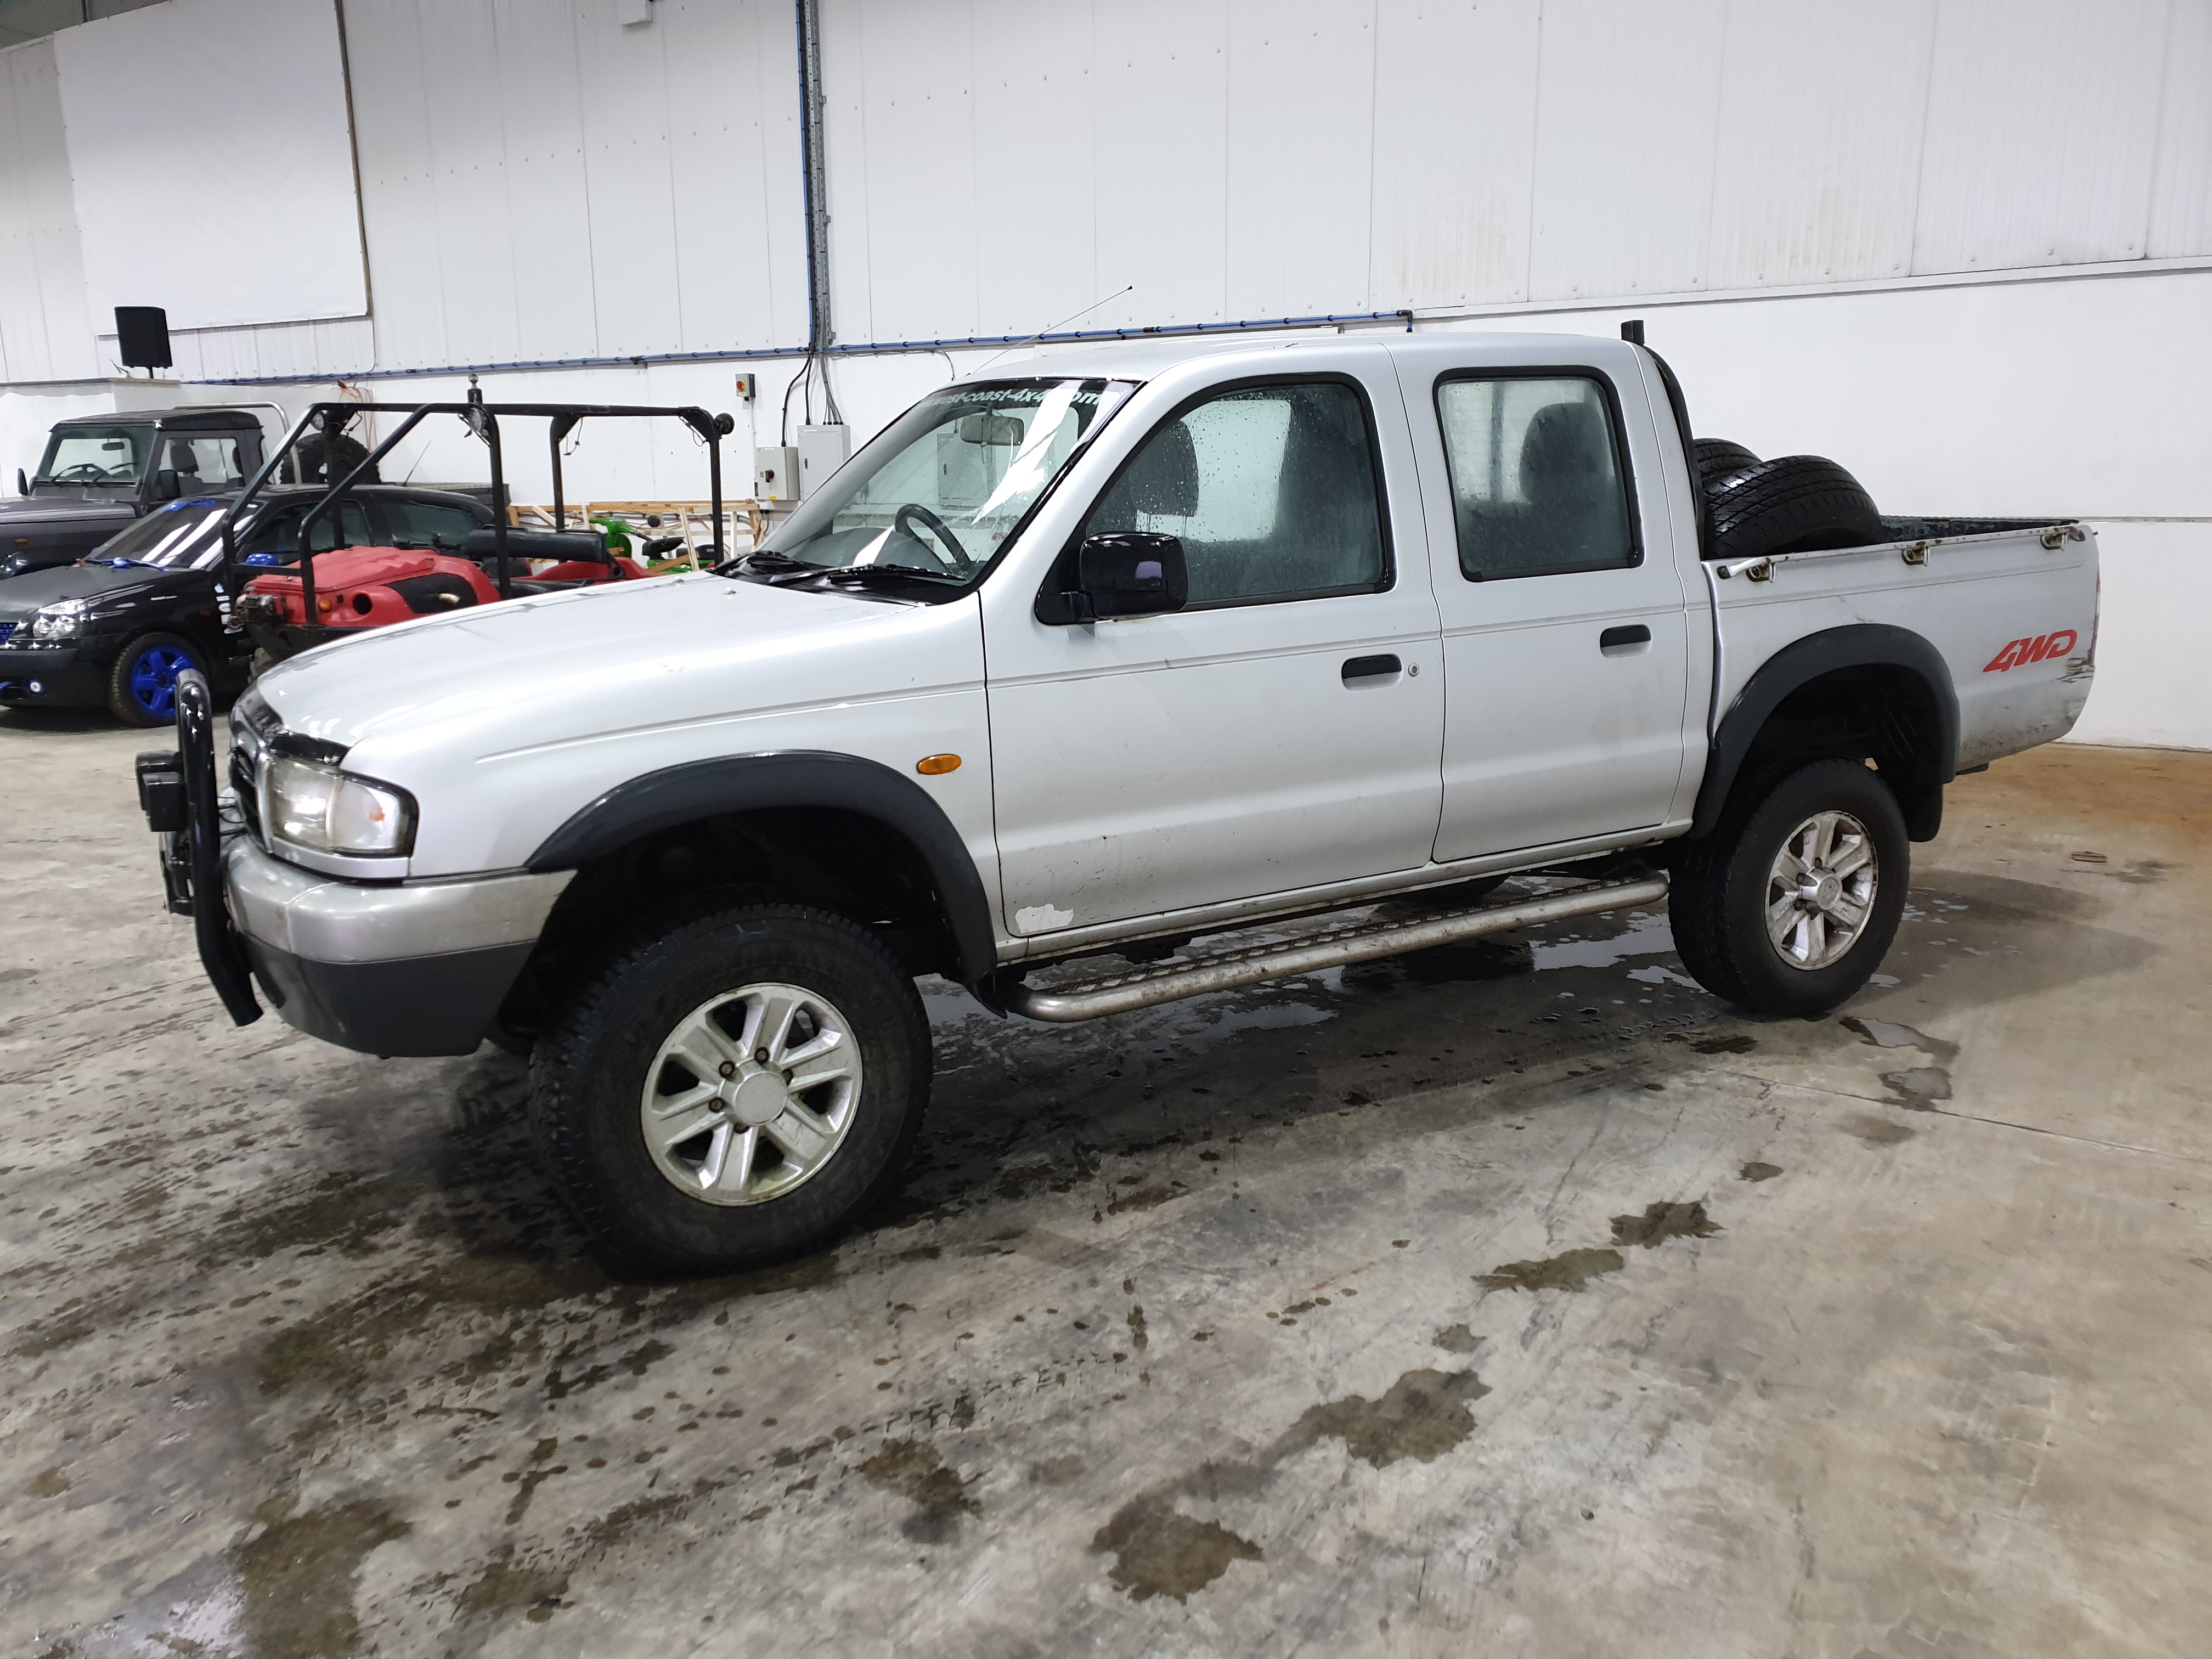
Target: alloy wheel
point(1820, 890)
point(752, 1094)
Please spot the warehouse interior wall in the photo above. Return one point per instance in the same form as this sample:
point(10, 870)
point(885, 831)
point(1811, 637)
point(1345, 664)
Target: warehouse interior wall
point(1964, 246)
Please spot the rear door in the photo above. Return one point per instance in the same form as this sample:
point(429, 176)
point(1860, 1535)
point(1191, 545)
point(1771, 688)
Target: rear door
point(1566, 635)
point(1281, 732)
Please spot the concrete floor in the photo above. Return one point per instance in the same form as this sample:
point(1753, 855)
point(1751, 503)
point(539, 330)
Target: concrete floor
point(1516, 1299)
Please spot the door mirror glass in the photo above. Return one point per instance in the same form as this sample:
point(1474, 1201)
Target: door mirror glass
point(165, 485)
point(1135, 573)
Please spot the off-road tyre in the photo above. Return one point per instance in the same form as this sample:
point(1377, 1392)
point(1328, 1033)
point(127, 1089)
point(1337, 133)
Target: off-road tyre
point(141, 681)
point(1792, 504)
point(1718, 459)
point(1721, 889)
point(590, 1066)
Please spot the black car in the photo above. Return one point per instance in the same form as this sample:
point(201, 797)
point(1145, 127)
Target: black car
point(116, 628)
point(101, 472)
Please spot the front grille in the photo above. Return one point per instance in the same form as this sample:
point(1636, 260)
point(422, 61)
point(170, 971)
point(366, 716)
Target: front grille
point(249, 799)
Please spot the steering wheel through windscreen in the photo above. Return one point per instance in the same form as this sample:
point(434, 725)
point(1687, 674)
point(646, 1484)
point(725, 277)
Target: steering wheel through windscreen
point(937, 527)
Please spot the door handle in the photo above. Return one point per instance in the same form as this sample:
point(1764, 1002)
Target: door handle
point(1372, 668)
point(1634, 634)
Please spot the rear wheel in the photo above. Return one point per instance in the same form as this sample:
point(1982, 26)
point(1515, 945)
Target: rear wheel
point(740, 1089)
point(1791, 904)
point(142, 686)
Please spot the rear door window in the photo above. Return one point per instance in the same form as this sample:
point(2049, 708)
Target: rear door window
point(1538, 476)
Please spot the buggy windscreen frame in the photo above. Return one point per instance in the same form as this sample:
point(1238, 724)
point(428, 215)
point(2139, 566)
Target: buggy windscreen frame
point(482, 419)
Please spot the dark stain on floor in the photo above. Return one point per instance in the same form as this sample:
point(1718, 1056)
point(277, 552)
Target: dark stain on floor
point(1755, 1170)
point(1159, 1551)
point(1662, 1221)
point(1422, 1416)
point(917, 1471)
point(1878, 1131)
point(1919, 1089)
point(1570, 1270)
point(503, 1588)
point(298, 1576)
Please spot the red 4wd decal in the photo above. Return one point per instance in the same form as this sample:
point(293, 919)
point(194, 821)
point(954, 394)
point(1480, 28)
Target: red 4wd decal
point(2020, 652)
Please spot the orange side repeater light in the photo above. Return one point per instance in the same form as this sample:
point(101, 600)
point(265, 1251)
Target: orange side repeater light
point(933, 766)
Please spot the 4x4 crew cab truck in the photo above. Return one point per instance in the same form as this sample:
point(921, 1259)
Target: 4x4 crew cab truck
point(1137, 645)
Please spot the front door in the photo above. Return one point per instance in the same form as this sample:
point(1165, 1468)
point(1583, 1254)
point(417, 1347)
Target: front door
point(1566, 637)
point(1280, 732)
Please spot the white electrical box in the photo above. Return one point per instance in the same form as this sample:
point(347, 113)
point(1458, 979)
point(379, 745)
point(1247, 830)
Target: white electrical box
point(776, 474)
point(822, 451)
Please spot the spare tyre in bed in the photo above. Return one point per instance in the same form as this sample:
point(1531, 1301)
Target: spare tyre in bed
point(1791, 504)
point(1717, 457)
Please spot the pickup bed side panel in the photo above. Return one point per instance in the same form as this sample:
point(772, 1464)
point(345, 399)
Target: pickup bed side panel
point(2012, 618)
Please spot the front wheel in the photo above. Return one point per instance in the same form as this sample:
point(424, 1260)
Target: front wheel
point(1791, 904)
point(739, 1090)
point(142, 686)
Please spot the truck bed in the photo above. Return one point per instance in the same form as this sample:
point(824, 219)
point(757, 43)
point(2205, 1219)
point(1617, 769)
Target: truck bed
point(2010, 603)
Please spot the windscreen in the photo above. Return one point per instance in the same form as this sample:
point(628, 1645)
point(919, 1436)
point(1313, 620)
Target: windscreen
point(96, 455)
point(176, 535)
point(938, 491)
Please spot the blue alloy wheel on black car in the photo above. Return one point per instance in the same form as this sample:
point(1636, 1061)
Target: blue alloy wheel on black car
point(142, 688)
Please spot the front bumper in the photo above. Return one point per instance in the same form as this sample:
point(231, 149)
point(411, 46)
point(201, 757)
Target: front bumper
point(387, 968)
point(69, 677)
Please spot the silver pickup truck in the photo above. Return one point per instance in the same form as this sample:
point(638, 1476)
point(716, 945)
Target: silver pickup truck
point(1127, 648)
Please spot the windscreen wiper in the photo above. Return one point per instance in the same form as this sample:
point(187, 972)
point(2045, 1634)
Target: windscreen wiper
point(760, 563)
point(858, 573)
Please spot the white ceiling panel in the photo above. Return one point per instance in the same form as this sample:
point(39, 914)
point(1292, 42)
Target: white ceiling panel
point(845, 163)
point(1628, 102)
point(1817, 160)
point(1158, 162)
point(45, 329)
point(725, 265)
point(211, 162)
point(1036, 219)
point(1454, 144)
point(398, 194)
point(632, 186)
point(2181, 191)
point(917, 73)
point(2042, 124)
point(1301, 136)
point(472, 226)
point(535, 80)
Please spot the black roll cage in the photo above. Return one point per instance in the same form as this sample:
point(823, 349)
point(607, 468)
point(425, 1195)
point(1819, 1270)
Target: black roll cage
point(480, 418)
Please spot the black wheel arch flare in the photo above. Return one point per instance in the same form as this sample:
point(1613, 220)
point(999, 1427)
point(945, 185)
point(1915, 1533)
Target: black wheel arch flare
point(1857, 645)
point(678, 795)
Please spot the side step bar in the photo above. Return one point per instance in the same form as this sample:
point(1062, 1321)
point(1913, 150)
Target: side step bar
point(1172, 981)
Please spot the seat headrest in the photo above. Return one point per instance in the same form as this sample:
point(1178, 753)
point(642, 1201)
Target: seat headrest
point(1566, 452)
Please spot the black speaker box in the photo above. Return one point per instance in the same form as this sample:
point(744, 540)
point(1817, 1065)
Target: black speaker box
point(142, 335)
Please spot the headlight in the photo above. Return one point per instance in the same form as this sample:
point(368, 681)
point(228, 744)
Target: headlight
point(59, 621)
point(321, 808)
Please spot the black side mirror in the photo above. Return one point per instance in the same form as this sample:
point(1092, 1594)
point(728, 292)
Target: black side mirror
point(165, 487)
point(1132, 573)
point(22, 483)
